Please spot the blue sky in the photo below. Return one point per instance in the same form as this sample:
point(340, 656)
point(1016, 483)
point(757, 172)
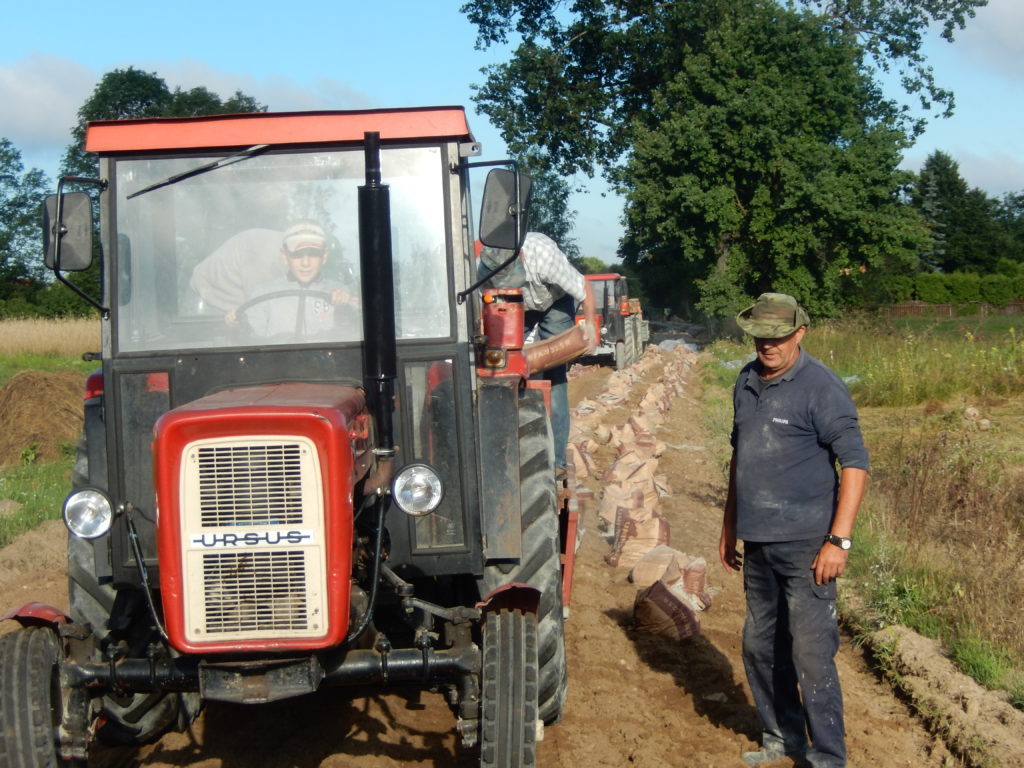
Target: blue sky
point(314, 54)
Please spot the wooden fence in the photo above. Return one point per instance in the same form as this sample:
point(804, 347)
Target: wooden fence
point(924, 309)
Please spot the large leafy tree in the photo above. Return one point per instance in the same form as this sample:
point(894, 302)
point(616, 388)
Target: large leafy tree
point(20, 248)
point(769, 162)
point(580, 73)
point(593, 82)
point(131, 93)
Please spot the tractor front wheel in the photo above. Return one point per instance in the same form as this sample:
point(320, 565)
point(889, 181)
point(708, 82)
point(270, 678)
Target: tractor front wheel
point(508, 697)
point(29, 698)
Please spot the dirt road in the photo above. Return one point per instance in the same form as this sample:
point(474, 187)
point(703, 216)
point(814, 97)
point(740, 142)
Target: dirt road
point(634, 699)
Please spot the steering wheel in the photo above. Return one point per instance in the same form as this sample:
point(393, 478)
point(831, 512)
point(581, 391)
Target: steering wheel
point(299, 307)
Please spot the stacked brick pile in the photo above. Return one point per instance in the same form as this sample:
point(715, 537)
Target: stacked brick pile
point(613, 445)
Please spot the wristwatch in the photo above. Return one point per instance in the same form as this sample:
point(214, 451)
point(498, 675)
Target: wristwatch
point(840, 541)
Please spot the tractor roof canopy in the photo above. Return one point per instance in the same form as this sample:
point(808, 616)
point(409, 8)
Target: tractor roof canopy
point(276, 129)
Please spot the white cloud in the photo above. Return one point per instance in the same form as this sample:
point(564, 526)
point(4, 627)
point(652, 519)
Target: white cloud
point(41, 96)
point(996, 174)
point(279, 93)
point(993, 37)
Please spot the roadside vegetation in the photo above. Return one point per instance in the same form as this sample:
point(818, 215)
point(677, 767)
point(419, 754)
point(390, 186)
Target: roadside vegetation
point(33, 489)
point(938, 538)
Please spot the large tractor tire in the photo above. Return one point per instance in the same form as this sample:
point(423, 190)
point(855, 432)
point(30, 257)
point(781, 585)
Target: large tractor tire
point(508, 693)
point(29, 698)
point(540, 566)
point(130, 718)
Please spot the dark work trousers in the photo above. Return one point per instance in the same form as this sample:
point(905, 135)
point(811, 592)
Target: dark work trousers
point(559, 317)
point(790, 639)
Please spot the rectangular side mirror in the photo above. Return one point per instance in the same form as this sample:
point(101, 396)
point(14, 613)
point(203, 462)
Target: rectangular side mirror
point(70, 248)
point(499, 210)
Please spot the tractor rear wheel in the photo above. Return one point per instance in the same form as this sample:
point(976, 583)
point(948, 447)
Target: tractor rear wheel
point(541, 565)
point(508, 692)
point(29, 698)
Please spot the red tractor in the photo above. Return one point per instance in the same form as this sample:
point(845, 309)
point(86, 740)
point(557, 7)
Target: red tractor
point(295, 477)
point(624, 332)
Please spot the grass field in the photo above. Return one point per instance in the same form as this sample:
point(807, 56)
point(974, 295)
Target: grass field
point(943, 416)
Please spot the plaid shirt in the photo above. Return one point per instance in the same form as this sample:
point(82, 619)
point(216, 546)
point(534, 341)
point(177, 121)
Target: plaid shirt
point(549, 275)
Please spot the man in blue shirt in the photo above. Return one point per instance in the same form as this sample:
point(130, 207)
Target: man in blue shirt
point(793, 421)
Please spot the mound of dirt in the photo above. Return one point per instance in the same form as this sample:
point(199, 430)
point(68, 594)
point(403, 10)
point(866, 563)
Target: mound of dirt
point(41, 411)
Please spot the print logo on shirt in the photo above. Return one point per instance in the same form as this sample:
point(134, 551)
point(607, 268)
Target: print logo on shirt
point(777, 420)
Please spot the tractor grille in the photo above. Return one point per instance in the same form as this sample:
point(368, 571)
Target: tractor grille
point(252, 527)
point(250, 485)
point(255, 591)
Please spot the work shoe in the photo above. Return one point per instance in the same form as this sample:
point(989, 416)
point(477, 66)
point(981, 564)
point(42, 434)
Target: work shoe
point(767, 755)
point(762, 756)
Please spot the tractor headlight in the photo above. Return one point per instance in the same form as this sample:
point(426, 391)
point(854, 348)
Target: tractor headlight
point(88, 513)
point(417, 489)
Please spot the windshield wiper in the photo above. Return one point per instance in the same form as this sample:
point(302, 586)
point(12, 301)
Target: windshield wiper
point(245, 154)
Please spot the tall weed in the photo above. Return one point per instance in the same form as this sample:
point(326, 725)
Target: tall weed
point(899, 365)
point(49, 337)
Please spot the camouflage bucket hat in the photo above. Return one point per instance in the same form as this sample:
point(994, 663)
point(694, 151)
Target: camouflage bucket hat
point(772, 316)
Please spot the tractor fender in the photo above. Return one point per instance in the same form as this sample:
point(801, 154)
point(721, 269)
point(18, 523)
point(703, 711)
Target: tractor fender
point(37, 615)
point(513, 595)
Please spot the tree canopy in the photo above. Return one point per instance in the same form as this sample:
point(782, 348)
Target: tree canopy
point(969, 230)
point(20, 194)
point(549, 208)
point(768, 163)
point(581, 73)
point(753, 146)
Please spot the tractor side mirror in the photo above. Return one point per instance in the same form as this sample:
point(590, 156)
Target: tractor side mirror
point(502, 218)
point(67, 232)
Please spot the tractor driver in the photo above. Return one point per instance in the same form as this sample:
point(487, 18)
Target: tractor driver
point(301, 302)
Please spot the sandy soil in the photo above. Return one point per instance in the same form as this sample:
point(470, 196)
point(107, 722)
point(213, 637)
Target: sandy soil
point(634, 699)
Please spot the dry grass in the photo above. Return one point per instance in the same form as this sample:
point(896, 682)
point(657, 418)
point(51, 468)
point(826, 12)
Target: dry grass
point(945, 509)
point(68, 337)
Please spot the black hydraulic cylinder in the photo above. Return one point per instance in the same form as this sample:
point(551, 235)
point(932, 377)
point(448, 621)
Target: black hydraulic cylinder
point(377, 274)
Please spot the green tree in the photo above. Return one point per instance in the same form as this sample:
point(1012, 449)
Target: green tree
point(549, 207)
point(971, 227)
point(580, 73)
point(591, 265)
point(586, 81)
point(1010, 214)
point(131, 93)
point(738, 169)
point(21, 192)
